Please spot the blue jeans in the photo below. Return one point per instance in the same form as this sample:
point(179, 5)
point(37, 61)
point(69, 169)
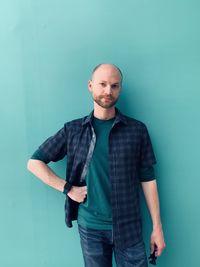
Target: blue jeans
point(97, 247)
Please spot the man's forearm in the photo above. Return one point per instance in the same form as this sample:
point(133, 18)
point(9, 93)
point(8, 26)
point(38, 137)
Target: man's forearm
point(152, 199)
point(45, 174)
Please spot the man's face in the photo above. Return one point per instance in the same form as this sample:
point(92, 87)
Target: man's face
point(105, 86)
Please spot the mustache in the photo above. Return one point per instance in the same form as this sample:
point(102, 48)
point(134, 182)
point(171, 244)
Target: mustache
point(107, 96)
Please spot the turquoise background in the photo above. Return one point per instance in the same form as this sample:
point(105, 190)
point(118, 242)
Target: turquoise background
point(48, 49)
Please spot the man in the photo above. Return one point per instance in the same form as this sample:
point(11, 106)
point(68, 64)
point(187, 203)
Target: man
point(109, 155)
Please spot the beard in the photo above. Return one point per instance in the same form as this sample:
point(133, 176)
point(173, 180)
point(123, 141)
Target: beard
point(101, 101)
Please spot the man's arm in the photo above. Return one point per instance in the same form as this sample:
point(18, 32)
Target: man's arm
point(47, 176)
point(152, 199)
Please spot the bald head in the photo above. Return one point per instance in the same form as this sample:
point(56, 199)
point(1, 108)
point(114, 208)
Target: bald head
point(109, 69)
point(105, 85)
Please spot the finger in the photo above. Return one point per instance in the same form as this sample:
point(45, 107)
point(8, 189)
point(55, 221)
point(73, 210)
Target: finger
point(83, 193)
point(158, 252)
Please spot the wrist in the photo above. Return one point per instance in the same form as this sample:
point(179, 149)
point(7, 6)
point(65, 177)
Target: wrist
point(157, 226)
point(67, 187)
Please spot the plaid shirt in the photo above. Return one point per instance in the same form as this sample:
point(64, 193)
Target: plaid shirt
point(130, 149)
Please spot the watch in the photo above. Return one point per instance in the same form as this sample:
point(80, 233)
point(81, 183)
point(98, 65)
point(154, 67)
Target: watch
point(67, 188)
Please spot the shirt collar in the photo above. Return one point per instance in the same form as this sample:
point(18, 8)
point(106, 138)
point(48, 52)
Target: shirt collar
point(119, 117)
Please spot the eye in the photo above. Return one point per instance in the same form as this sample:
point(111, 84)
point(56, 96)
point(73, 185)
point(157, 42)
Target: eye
point(103, 84)
point(114, 86)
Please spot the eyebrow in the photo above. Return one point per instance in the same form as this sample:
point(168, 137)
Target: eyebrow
point(112, 83)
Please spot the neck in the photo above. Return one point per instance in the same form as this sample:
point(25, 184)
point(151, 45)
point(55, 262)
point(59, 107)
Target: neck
point(103, 113)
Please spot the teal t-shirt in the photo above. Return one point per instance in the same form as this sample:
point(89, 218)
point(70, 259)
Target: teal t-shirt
point(96, 211)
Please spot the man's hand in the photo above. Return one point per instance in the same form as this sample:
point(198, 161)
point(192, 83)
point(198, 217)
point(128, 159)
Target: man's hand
point(78, 193)
point(158, 239)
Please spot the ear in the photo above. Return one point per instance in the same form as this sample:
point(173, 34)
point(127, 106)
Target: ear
point(90, 85)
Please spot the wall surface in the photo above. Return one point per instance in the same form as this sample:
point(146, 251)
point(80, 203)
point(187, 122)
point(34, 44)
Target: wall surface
point(47, 52)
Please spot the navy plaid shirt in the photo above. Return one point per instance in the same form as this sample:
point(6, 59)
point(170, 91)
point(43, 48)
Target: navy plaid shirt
point(130, 149)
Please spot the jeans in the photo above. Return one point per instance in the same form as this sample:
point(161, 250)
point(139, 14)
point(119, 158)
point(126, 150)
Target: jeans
point(97, 247)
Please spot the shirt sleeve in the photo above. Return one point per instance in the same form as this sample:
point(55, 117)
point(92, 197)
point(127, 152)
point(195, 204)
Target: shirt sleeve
point(147, 174)
point(39, 156)
point(54, 148)
point(147, 156)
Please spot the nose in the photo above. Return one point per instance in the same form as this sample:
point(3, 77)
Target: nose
point(108, 89)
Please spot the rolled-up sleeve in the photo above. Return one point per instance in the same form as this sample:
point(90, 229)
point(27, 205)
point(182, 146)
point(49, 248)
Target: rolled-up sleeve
point(147, 174)
point(147, 156)
point(39, 156)
point(54, 148)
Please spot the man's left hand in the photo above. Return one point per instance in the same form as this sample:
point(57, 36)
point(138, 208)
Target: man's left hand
point(157, 238)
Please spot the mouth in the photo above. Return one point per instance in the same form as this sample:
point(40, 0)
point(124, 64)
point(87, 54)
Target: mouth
point(108, 98)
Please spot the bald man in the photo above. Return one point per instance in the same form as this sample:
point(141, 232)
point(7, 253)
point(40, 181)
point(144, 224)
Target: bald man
point(109, 156)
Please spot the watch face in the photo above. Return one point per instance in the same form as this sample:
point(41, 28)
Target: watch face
point(66, 188)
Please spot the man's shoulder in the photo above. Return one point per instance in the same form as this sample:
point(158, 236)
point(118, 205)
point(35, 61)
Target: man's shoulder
point(78, 122)
point(132, 121)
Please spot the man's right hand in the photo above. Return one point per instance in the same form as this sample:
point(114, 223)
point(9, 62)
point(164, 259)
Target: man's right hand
point(78, 193)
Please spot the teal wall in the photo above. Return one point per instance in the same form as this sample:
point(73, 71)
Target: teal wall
point(47, 51)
